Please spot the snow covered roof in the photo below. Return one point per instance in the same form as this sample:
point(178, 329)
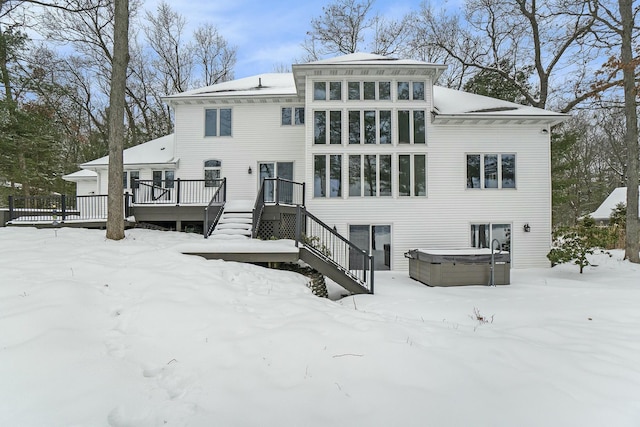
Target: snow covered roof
point(451, 104)
point(268, 84)
point(80, 175)
point(360, 58)
point(157, 151)
point(618, 195)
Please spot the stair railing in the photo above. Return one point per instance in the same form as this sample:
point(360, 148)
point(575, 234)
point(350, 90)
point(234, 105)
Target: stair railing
point(258, 207)
point(325, 242)
point(213, 211)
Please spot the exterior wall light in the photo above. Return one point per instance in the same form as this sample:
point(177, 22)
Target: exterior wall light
point(527, 228)
point(250, 171)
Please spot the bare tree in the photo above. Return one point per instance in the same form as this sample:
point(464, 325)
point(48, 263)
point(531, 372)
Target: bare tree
point(174, 57)
point(340, 28)
point(547, 37)
point(115, 215)
point(213, 56)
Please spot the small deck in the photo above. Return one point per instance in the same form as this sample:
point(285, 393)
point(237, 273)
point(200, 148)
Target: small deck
point(245, 250)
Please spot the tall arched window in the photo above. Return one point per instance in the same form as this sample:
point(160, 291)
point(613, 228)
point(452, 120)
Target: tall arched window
point(212, 173)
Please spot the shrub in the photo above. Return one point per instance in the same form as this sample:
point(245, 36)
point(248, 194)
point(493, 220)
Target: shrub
point(573, 244)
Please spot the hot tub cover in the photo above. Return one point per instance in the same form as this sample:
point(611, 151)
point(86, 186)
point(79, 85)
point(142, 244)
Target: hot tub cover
point(461, 256)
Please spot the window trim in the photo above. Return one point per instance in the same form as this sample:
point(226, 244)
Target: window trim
point(293, 110)
point(481, 170)
point(412, 176)
point(218, 123)
point(206, 168)
point(412, 127)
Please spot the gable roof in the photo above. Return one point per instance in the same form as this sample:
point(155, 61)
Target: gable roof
point(618, 195)
point(157, 151)
point(81, 175)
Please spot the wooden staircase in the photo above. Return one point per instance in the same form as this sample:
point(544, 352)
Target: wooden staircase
point(236, 220)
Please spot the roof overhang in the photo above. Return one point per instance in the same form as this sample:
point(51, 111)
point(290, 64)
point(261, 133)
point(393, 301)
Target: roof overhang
point(500, 119)
point(128, 166)
point(230, 99)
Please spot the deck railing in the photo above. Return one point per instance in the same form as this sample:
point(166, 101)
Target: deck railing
point(175, 192)
point(61, 208)
point(276, 191)
point(327, 243)
point(213, 211)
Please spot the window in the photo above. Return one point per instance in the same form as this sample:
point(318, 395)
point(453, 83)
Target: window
point(335, 91)
point(132, 182)
point(373, 239)
point(320, 127)
point(403, 90)
point(212, 173)
point(292, 116)
point(217, 122)
point(369, 90)
point(416, 92)
point(319, 91)
point(483, 234)
point(491, 171)
point(412, 175)
point(385, 127)
point(354, 91)
point(354, 127)
point(335, 127)
point(411, 127)
point(370, 175)
point(332, 163)
point(158, 180)
point(384, 91)
point(370, 127)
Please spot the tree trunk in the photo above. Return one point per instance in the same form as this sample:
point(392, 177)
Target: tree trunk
point(632, 246)
point(115, 214)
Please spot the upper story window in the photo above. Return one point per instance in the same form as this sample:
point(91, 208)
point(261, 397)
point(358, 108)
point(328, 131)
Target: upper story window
point(411, 91)
point(320, 133)
point(212, 173)
point(412, 175)
point(217, 122)
point(491, 171)
point(411, 127)
point(370, 127)
point(292, 116)
point(320, 92)
point(335, 91)
point(354, 91)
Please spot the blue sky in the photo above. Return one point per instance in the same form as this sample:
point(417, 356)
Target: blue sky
point(266, 32)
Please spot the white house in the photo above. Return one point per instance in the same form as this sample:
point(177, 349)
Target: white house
point(390, 160)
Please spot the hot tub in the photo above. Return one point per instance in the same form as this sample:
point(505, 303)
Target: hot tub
point(458, 267)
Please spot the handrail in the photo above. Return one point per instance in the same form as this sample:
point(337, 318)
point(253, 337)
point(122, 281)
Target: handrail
point(174, 191)
point(213, 211)
point(257, 212)
point(285, 191)
point(327, 243)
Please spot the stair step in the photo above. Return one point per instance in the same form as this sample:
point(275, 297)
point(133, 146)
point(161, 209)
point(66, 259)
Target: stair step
point(228, 220)
point(231, 231)
point(228, 225)
point(237, 214)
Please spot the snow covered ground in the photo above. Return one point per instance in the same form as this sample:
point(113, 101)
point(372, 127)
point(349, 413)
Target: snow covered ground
point(133, 333)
